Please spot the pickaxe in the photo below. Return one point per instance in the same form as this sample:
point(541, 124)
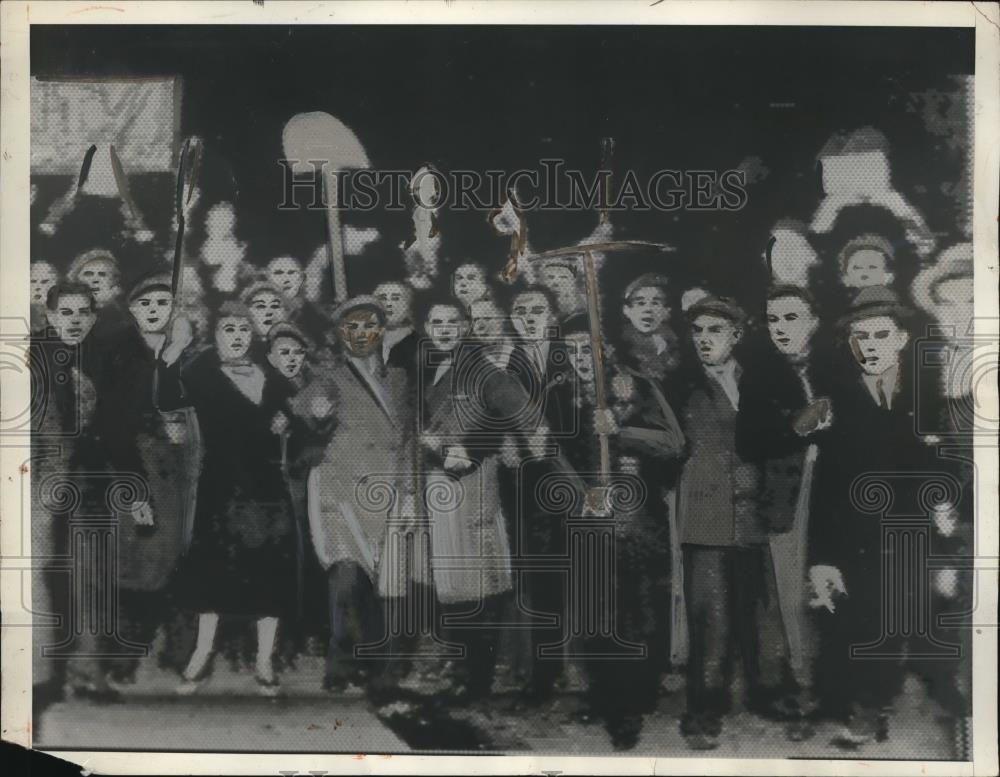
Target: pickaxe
point(585, 251)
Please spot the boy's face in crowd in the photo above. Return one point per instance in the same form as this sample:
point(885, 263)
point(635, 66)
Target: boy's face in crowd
point(531, 315)
point(446, 325)
point(287, 355)
point(395, 301)
point(791, 323)
point(581, 355)
point(232, 337)
point(876, 343)
point(102, 277)
point(469, 284)
point(286, 275)
point(562, 281)
point(647, 309)
point(152, 310)
point(73, 317)
point(714, 338)
point(43, 275)
point(487, 319)
point(361, 332)
point(955, 299)
point(267, 310)
point(867, 267)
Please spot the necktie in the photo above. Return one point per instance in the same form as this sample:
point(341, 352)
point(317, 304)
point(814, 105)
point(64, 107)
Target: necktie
point(883, 402)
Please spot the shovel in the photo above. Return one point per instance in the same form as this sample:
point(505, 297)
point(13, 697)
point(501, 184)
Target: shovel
point(319, 137)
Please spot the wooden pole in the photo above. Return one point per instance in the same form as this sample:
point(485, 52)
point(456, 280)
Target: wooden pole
point(590, 274)
point(335, 238)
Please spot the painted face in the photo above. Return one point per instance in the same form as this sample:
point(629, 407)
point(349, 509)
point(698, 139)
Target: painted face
point(287, 355)
point(581, 355)
point(714, 338)
point(395, 300)
point(285, 274)
point(532, 315)
point(487, 319)
point(102, 277)
point(446, 325)
point(647, 309)
point(233, 335)
point(152, 310)
point(956, 305)
point(73, 318)
point(43, 275)
point(469, 283)
point(562, 282)
point(877, 343)
point(791, 324)
point(361, 332)
point(866, 267)
point(266, 309)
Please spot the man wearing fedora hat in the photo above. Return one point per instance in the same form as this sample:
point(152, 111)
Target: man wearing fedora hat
point(874, 436)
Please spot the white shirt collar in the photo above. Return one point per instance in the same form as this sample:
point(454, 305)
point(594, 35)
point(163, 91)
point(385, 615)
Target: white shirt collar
point(442, 370)
point(888, 378)
point(392, 338)
point(725, 375)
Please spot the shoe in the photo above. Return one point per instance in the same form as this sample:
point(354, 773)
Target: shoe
point(334, 684)
point(267, 686)
point(785, 709)
point(625, 733)
point(191, 683)
point(99, 694)
point(857, 731)
point(701, 731)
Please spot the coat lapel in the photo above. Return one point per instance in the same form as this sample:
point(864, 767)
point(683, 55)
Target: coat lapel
point(374, 389)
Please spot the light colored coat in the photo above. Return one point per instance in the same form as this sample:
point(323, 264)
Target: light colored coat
point(469, 546)
point(361, 494)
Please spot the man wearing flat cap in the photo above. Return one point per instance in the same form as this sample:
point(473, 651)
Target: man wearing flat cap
point(851, 555)
point(362, 481)
point(728, 579)
point(159, 447)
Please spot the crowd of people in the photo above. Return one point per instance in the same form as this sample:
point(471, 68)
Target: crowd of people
point(419, 462)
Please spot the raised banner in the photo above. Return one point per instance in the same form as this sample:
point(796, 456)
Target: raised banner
point(140, 117)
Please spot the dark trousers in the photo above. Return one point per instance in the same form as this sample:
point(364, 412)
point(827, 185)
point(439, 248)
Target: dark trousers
point(843, 681)
point(732, 604)
point(475, 669)
point(356, 618)
point(628, 686)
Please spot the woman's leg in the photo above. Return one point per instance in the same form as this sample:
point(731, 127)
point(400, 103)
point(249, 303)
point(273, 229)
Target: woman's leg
point(208, 624)
point(267, 630)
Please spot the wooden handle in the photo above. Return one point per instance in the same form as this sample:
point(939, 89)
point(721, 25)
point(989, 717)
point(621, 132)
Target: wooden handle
point(590, 274)
point(335, 239)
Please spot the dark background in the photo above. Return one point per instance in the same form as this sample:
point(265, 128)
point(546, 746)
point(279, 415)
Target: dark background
point(504, 97)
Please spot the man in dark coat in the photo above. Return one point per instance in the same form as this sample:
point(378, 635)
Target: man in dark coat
point(645, 442)
point(784, 412)
point(67, 490)
point(872, 452)
point(160, 448)
point(542, 364)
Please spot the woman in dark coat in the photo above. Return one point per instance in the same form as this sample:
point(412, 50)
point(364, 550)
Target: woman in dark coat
point(242, 560)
